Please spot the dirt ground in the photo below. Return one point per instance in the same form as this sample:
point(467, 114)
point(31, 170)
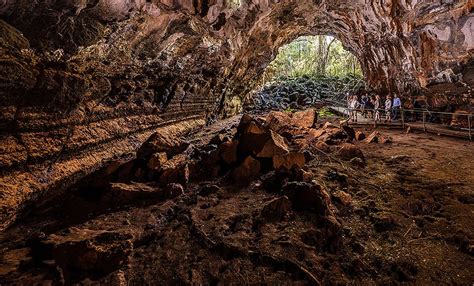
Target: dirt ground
point(407, 217)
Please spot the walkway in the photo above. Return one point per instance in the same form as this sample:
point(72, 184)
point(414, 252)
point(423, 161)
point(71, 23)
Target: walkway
point(423, 126)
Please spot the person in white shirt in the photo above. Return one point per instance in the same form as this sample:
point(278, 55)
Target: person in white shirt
point(397, 104)
point(377, 105)
point(353, 108)
point(388, 108)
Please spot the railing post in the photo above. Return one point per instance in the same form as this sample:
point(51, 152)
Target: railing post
point(403, 118)
point(424, 121)
point(469, 124)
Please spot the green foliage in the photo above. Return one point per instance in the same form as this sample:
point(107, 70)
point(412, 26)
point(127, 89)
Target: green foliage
point(313, 56)
point(325, 112)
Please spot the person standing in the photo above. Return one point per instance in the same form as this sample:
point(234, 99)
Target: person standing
point(363, 104)
point(377, 104)
point(388, 108)
point(397, 104)
point(353, 108)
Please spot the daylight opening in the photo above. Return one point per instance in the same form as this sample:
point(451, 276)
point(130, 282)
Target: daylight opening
point(307, 72)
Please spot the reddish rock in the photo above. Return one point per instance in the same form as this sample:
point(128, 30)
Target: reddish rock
point(120, 193)
point(349, 151)
point(377, 137)
point(228, 151)
point(274, 145)
point(307, 196)
point(342, 198)
point(351, 133)
point(359, 135)
point(278, 121)
point(162, 142)
point(172, 191)
point(358, 162)
point(95, 253)
point(293, 160)
point(175, 170)
point(247, 171)
point(157, 160)
point(277, 209)
point(304, 119)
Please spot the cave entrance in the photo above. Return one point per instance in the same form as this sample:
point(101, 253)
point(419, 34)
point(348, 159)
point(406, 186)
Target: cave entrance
point(307, 72)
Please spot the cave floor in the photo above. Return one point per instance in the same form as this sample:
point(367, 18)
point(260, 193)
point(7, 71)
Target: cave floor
point(409, 217)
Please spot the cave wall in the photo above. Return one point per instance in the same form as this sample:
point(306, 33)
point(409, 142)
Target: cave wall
point(84, 81)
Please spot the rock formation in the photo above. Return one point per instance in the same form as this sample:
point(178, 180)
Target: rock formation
point(83, 82)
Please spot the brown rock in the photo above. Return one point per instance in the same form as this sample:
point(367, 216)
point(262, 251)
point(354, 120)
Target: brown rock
point(304, 119)
point(277, 209)
point(359, 135)
point(278, 121)
point(329, 125)
point(82, 253)
point(316, 133)
point(228, 151)
point(120, 193)
point(293, 160)
point(157, 160)
point(162, 142)
point(343, 198)
point(351, 133)
point(274, 145)
point(172, 191)
point(307, 196)
point(175, 170)
point(247, 171)
point(377, 137)
point(358, 162)
point(349, 151)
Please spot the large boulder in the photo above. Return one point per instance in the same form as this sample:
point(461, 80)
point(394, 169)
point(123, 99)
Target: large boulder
point(80, 253)
point(304, 119)
point(162, 142)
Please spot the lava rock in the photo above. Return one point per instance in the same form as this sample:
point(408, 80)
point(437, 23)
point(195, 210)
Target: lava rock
point(277, 209)
point(307, 196)
point(247, 171)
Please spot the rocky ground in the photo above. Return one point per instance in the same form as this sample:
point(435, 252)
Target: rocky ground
point(276, 199)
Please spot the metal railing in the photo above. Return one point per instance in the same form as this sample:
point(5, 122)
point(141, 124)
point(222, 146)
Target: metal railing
point(412, 115)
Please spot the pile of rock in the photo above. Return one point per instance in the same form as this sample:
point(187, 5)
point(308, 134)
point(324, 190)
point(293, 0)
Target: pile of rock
point(300, 93)
point(279, 143)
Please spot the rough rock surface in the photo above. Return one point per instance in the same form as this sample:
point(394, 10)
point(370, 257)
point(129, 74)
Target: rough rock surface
point(84, 81)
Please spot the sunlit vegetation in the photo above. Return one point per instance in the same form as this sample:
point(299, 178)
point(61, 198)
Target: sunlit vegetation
point(313, 56)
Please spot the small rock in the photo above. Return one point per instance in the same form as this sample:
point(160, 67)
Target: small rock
point(357, 162)
point(343, 198)
point(157, 160)
point(289, 161)
point(359, 135)
point(377, 137)
point(120, 193)
point(351, 134)
point(173, 190)
point(277, 209)
point(247, 171)
point(349, 151)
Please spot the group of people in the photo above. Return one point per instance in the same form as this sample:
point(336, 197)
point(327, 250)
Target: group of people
point(371, 107)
